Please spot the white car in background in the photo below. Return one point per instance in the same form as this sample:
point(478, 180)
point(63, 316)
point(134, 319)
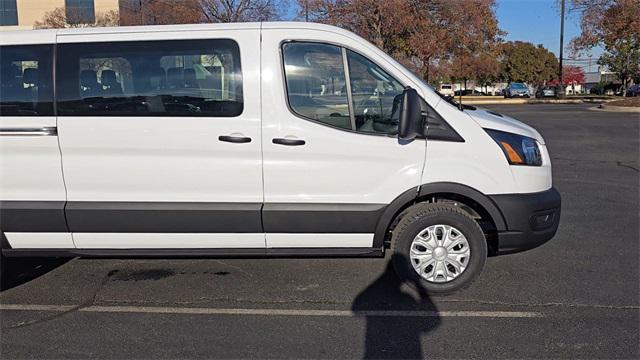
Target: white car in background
point(446, 89)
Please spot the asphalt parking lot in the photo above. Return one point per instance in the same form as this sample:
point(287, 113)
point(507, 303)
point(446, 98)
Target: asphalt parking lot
point(575, 297)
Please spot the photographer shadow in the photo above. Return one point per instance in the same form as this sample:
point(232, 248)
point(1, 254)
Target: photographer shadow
point(393, 331)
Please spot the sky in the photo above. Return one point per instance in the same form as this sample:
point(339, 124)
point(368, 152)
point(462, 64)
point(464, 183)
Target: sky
point(538, 22)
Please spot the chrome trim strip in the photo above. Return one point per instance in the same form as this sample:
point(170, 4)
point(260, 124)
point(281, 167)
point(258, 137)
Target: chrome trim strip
point(44, 131)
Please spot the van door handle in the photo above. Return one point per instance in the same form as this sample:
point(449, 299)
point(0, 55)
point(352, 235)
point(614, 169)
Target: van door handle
point(234, 139)
point(288, 142)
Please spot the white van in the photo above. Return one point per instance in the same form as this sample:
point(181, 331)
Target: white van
point(256, 139)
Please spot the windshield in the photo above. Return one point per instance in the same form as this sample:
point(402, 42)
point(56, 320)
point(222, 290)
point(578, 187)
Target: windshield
point(518, 86)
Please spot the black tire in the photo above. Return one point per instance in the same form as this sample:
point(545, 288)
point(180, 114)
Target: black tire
point(3, 271)
point(421, 216)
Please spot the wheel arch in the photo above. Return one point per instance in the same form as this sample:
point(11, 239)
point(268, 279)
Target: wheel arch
point(440, 190)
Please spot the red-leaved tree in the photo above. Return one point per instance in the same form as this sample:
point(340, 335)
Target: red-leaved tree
point(571, 75)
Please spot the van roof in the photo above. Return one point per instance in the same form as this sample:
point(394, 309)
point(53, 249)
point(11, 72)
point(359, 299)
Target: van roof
point(48, 36)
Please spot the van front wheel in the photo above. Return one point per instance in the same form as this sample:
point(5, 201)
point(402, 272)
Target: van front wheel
point(438, 247)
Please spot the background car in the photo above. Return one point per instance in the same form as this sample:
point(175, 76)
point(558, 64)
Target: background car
point(469, 92)
point(633, 90)
point(446, 89)
point(545, 91)
point(516, 90)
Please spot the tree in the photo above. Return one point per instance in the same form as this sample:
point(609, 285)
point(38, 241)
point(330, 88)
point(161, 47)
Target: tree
point(241, 10)
point(146, 12)
point(525, 62)
point(57, 19)
point(571, 75)
point(424, 35)
point(614, 24)
point(485, 68)
point(473, 39)
point(381, 22)
point(160, 12)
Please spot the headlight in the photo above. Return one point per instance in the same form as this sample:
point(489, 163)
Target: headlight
point(519, 150)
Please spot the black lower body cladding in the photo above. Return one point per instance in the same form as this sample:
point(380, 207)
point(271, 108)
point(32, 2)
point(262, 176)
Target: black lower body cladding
point(188, 217)
point(33, 216)
point(164, 217)
point(523, 221)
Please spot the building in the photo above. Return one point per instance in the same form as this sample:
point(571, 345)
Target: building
point(609, 78)
point(22, 14)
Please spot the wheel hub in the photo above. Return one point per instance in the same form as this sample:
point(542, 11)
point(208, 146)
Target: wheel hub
point(440, 253)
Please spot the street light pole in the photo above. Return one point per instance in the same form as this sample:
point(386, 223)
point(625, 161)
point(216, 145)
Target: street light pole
point(306, 10)
point(560, 90)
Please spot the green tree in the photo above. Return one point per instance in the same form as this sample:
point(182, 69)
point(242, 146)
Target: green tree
point(525, 62)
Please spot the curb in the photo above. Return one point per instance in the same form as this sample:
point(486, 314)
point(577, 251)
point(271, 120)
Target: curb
point(533, 101)
point(623, 109)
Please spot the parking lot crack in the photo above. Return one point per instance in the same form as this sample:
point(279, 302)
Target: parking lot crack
point(624, 164)
point(620, 163)
point(235, 267)
point(87, 303)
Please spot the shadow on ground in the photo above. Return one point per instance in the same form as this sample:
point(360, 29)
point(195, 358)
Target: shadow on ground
point(17, 271)
point(394, 337)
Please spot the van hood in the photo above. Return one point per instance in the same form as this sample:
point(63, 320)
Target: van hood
point(492, 120)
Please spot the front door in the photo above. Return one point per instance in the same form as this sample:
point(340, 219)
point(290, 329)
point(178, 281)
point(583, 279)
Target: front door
point(332, 161)
point(160, 139)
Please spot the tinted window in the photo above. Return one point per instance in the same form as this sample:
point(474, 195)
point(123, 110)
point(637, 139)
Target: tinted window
point(316, 85)
point(80, 11)
point(151, 78)
point(373, 96)
point(8, 13)
point(26, 80)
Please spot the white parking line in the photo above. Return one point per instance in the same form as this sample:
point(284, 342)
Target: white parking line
point(269, 312)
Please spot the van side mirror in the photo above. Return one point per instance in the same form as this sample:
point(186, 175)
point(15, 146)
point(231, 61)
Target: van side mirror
point(410, 115)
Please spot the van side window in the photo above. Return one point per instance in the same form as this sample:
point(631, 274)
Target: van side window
point(374, 91)
point(150, 78)
point(316, 83)
point(26, 78)
point(317, 89)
